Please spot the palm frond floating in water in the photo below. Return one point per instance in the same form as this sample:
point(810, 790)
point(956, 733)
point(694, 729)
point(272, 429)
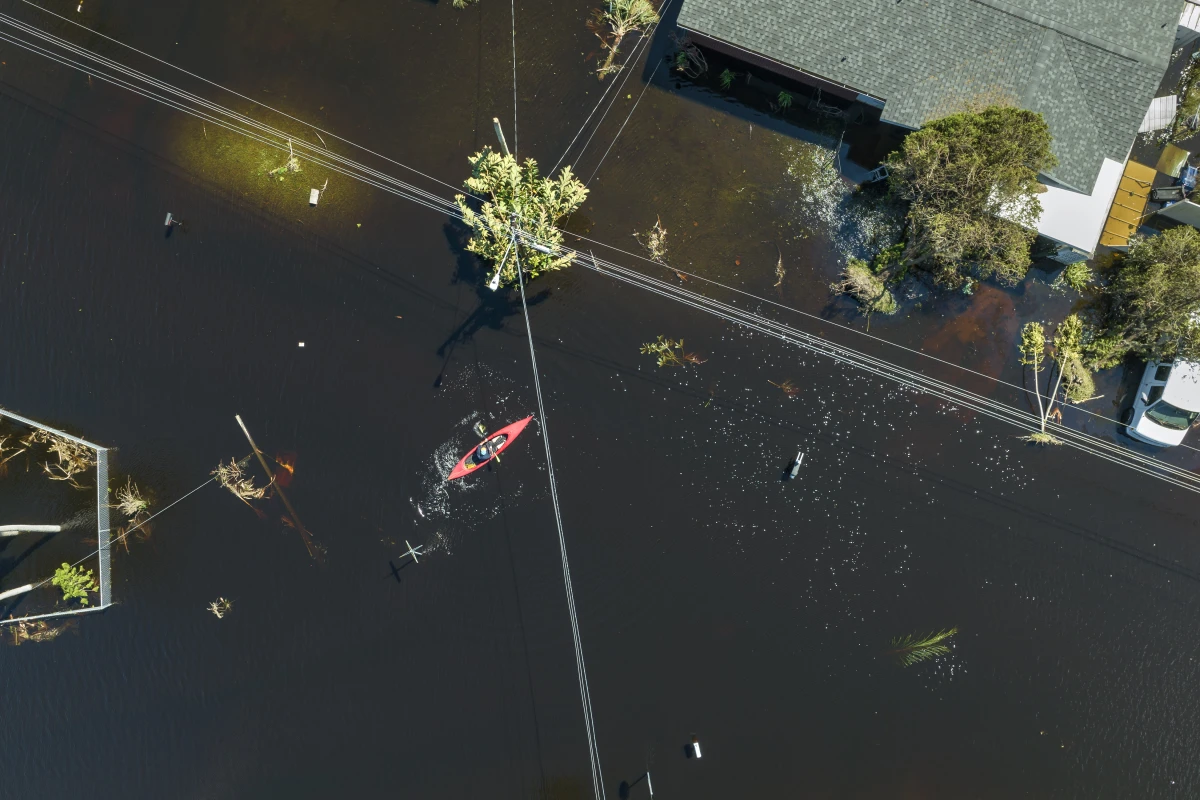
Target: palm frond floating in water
point(909, 650)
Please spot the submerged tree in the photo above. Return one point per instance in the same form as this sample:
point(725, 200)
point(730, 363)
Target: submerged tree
point(71, 457)
point(37, 631)
point(789, 388)
point(909, 650)
point(868, 289)
point(1033, 355)
point(7, 454)
point(611, 26)
point(130, 500)
point(1151, 302)
point(519, 197)
point(234, 478)
point(1067, 354)
point(133, 505)
point(689, 59)
point(289, 167)
point(654, 240)
point(1073, 377)
point(220, 607)
point(670, 353)
point(971, 181)
point(75, 582)
point(1078, 276)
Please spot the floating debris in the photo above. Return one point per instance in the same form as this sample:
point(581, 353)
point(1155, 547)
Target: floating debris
point(220, 607)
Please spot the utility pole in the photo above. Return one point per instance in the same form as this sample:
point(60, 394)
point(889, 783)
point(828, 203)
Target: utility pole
point(500, 135)
point(312, 551)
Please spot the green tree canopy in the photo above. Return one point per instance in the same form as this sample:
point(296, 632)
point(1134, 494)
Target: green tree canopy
point(1151, 299)
point(518, 195)
point(958, 175)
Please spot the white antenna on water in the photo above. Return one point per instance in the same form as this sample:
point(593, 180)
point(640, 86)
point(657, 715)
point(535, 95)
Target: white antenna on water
point(413, 551)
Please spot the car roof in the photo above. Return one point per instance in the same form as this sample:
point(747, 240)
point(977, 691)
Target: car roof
point(1183, 386)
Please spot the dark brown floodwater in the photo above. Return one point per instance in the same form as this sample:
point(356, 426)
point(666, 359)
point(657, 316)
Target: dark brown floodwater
point(713, 600)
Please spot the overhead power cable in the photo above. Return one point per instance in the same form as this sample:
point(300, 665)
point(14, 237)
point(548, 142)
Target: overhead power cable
point(237, 94)
point(642, 45)
point(1077, 439)
point(1092, 444)
point(823, 321)
point(585, 694)
point(580, 667)
point(221, 117)
point(623, 124)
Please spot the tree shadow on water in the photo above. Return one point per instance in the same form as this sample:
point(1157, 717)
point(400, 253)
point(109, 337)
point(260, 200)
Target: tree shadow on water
point(492, 308)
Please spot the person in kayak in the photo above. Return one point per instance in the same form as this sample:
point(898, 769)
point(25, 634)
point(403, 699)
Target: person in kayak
point(488, 449)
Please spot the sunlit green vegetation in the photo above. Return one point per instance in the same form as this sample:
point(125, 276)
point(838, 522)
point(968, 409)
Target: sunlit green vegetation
point(517, 195)
point(913, 649)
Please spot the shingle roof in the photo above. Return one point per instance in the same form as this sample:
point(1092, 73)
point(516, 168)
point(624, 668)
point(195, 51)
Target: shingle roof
point(1090, 67)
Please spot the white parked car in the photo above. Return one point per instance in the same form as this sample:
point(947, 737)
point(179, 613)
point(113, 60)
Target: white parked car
point(1167, 403)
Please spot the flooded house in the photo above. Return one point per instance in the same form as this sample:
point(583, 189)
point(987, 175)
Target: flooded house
point(1090, 68)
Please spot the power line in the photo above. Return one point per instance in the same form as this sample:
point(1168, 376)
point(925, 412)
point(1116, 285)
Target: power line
point(146, 521)
point(824, 321)
point(197, 100)
point(634, 55)
point(438, 200)
point(516, 136)
point(580, 667)
point(917, 380)
point(314, 154)
point(585, 695)
point(613, 102)
point(626, 122)
point(1090, 443)
point(238, 94)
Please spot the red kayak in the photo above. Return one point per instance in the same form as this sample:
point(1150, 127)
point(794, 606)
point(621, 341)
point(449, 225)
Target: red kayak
point(492, 446)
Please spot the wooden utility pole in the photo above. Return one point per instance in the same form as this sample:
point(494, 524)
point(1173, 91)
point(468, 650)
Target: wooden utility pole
point(304, 534)
point(500, 135)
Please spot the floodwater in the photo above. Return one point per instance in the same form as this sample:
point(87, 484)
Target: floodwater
point(713, 600)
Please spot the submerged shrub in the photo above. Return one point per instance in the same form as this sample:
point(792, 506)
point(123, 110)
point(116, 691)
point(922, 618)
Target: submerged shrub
point(1078, 276)
point(75, 582)
point(869, 290)
point(1078, 384)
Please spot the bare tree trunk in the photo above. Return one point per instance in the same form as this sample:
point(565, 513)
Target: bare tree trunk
point(612, 54)
point(1037, 390)
point(1053, 394)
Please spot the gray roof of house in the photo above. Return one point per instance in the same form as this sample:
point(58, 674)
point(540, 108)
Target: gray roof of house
point(1090, 67)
